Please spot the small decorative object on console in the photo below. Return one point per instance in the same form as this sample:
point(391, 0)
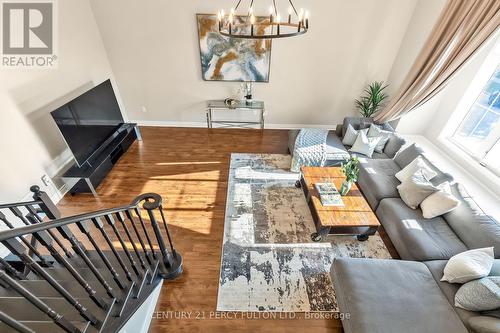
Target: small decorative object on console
point(351, 173)
point(328, 194)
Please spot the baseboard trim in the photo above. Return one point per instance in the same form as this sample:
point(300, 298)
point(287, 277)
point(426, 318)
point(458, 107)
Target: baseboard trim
point(201, 124)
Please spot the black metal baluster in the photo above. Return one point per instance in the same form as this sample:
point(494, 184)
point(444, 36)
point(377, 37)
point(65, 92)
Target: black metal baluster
point(46, 241)
point(121, 217)
point(17, 212)
point(18, 326)
point(132, 222)
point(9, 268)
point(138, 213)
point(33, 211)
point(111, 221)
point(24, 240)
point(83, 226)
point(81, 253)
point(16, 248)
point(99, 225)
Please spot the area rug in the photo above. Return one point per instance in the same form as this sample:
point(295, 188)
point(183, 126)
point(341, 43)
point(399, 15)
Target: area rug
point(269, 262)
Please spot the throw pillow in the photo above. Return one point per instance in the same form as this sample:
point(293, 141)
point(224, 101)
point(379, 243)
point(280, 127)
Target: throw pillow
point(469, 265)
point(439, 203)
point(406, 155)
point(479, 295)
point(395, 143)
point(351, 135)
point(415, 189)
point(413, 167)
point(376, 132)
point(364, 145)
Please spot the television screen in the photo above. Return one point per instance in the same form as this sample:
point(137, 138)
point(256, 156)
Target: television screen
point(89, 120)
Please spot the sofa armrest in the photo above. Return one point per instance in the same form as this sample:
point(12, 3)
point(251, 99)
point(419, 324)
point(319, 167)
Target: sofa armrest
point(292, 135)
point(338, 130)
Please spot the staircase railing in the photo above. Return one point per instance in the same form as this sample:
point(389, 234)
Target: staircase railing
point(115, 253)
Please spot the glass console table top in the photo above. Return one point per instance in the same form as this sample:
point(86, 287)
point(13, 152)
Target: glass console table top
point(241, 104)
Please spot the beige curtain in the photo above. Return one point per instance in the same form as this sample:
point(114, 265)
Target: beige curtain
point(463, 27)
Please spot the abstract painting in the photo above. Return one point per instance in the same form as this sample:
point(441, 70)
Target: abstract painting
point(232, 59)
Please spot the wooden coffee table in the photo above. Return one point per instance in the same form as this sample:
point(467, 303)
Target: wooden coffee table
point(354, 218)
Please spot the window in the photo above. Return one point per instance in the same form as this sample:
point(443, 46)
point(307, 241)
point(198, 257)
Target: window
point(479, 132)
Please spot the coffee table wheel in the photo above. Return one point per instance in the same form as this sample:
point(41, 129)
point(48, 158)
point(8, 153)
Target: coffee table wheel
point(362, 238)
point(298, 184)
point(316, 237)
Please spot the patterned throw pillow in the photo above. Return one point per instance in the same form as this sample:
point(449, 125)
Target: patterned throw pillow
point(479, 295)
point(376, 132)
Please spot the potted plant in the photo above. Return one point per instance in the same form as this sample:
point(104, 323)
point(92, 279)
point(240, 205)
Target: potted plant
point(351, 173)
point(372, 99)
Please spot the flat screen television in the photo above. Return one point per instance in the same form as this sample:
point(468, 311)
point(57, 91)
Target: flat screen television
point(89, 120)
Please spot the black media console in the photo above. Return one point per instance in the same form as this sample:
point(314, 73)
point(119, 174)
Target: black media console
point(93, 172)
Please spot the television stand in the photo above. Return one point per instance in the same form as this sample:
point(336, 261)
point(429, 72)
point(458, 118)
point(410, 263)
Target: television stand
point(87, 177)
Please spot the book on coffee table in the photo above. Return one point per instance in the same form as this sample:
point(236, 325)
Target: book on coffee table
point(328, 194)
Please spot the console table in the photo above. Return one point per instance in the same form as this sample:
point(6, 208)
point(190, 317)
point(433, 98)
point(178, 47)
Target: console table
point(220, 105)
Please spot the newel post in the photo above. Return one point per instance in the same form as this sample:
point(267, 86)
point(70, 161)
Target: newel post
point(172, 260)
point(48, 207)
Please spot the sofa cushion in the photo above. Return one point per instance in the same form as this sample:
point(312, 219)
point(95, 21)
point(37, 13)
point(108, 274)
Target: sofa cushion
point(471, 224)
point(407, 155)
point(335, 150)
point(484, 324)
point(391, 296)
point(377, 181)
point(356, 122)
point(436, 267)
point(395, 143)
point(415, 237)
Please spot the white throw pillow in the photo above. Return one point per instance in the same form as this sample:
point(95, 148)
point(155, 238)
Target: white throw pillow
point(351, 135)
point(364, 145)
point(415, 190)
point(469, 265)
point(413, 167)
point(439, 203)
point(376, 132)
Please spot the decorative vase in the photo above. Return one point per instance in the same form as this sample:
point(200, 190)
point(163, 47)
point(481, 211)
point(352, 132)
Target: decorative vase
point(345, 188)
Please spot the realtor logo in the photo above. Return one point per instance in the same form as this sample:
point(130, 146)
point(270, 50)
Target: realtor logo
point(28, 34)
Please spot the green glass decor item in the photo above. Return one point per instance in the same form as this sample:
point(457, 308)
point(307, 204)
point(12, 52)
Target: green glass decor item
point(351, 172)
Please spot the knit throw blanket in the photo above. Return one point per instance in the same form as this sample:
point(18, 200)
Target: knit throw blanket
point(310, 148)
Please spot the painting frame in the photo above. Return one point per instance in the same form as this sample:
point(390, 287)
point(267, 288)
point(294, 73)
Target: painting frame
point(256, 44)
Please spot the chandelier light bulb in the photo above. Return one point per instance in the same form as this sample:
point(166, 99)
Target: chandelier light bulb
point(275, 26)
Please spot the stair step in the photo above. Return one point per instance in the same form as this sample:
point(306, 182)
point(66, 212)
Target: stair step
point(21, 309)
point(46, 327)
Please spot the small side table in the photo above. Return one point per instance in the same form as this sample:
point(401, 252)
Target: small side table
point(240, 105)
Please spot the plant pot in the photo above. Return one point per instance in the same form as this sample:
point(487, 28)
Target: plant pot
point(345, 188)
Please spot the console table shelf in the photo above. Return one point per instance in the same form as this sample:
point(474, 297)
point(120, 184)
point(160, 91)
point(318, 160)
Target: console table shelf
point(220, 105)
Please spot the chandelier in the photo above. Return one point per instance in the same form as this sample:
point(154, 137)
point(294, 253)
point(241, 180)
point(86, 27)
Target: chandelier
point(248, 26)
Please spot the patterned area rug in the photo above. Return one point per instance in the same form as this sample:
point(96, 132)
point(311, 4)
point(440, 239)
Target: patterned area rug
point(269, 262)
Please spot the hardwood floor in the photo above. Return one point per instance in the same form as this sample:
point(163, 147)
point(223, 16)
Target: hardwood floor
point(189, 169)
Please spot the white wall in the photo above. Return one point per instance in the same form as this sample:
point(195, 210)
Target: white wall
point(31, 144)
point(153, 49)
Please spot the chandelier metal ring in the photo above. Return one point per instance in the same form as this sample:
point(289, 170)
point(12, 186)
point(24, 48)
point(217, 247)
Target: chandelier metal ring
point(246, 26)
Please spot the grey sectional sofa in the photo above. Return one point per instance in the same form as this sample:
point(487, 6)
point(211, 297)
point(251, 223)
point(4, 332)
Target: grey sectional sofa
point(407, 295)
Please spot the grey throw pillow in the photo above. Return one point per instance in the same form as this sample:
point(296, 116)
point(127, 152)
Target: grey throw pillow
point(416, 189)
point(351, 135)
point(479, 295)
point(394, 145)
point(407, 155)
